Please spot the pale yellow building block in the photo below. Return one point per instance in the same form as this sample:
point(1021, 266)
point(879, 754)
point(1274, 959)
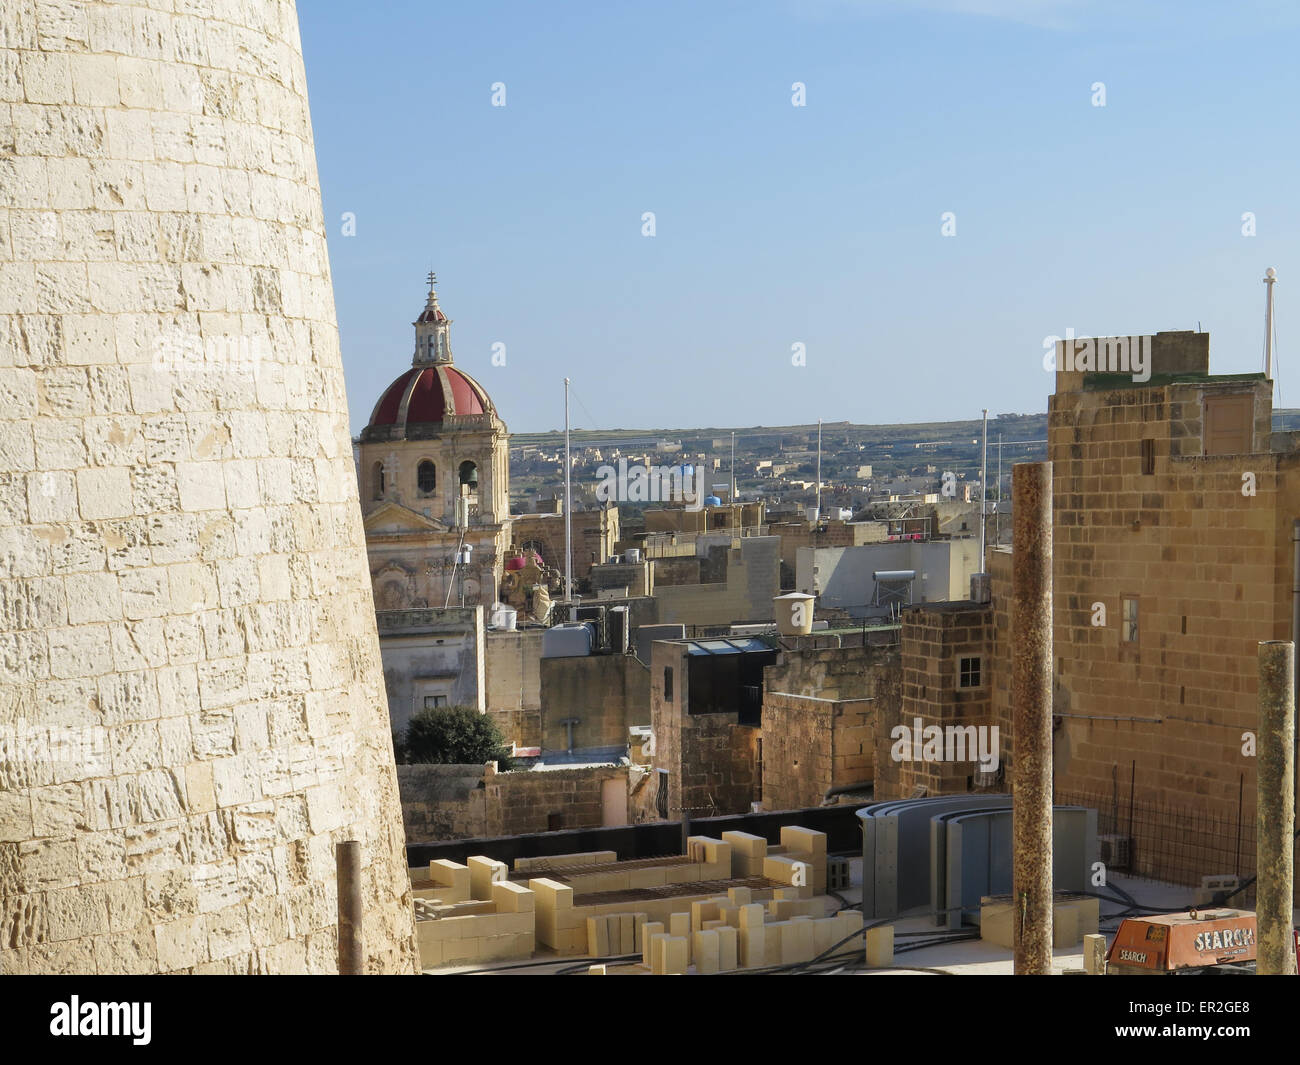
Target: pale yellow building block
point(482, 873)
point(751, 915)
point(780, 909)
point(679, 927)
point(847, 923)
point(676, 955)
point(824, 936)
point(796, 871)
point(571, 941)
point(704, 910)
point(655, 876)
point(564, 861)
point(880, 945)
point(797, 941)
point(1089, 915)
point(728, 949)
point(803, 840)
point(743, 843)
point(598, 936)
point(1094, 955)
point(452, 877)
point(512, 898)
point(596, 970)
point(739, 896)
point(649, 929)
point(1065, 926)
point(753, 945)
point(705, 949)
point(996, 923)
point(657, 957)
point(772, 955)
point(626, 934)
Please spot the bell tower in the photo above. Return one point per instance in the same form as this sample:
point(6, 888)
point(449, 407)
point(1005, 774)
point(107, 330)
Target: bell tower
point(432, 332)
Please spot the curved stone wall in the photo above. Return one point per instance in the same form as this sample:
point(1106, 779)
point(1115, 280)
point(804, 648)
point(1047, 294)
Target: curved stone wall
point(192, 709)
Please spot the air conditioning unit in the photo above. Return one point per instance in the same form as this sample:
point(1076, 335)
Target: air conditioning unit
point(1116, 851)
point(1215, 888)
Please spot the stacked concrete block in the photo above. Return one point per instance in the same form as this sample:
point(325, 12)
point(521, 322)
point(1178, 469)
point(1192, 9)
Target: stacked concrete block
point(559, 925)
point(728, 949)
point(613, 934)
point(477, 930)
point(706, 950)
point(674, 955)
point(747, 853)
point(483, 874)
point(880, 946)
point(552, 863)
point(793, 870)
point(475, 938)
point(713, 856)
point(650, 931)
point(1072, 919)
point(1094, 955)
point(810, 846)
point(451, 880)
point(191, 679)
point(752, 937)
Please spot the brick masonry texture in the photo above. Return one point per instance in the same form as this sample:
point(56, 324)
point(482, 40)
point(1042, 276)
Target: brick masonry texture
point(191, 701)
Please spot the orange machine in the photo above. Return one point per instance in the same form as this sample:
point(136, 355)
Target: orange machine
point(1173, 942)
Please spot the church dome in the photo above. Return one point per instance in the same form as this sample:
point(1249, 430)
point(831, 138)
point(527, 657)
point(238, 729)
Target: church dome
point(428, 394)
point(433, 389)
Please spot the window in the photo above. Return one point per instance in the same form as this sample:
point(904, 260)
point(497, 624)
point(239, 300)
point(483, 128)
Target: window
point(968, 673)
point(1148, 456)
point(1128, 621)
point(469, 473)
point(432, 702)
point(661, 795)
point(427, 477)
point(377, 479)
point(668, 684)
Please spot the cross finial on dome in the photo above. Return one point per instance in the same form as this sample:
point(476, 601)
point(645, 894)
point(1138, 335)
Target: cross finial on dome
point(433, 280)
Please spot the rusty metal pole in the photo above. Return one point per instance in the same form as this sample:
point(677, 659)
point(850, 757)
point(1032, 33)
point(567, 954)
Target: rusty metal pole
point(348, 861)
point(1275, 809)
point(1031, 708)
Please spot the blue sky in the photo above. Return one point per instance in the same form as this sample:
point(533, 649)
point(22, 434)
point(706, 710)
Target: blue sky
point(818, 225)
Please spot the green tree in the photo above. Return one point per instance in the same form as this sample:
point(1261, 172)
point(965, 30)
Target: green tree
point(456, 735)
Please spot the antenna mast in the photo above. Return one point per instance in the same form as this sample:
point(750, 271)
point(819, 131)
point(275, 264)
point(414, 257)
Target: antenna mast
point(568, 505)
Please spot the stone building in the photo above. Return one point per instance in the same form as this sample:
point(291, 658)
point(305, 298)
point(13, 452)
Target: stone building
point(1173, 504)
point(433, 466)
point(192, 711)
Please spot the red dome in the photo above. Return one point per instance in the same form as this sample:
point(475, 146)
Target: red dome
point(428, 394)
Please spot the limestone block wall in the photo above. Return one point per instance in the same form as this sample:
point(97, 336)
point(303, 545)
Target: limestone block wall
point(605, 693)
point(190, 689)
point(466, 801)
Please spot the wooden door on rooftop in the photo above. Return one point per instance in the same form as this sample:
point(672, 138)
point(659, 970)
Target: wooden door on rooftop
point(1228, 424)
